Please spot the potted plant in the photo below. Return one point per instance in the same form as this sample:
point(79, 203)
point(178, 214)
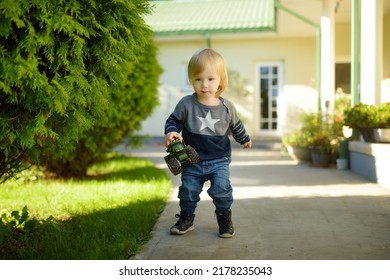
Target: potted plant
point(322, 149)
point(364, 118)
point(326, 131)
point(318, 136)
point(382, 127)
point(297, 145)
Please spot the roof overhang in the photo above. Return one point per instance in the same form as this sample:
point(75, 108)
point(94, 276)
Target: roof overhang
point(209, 17)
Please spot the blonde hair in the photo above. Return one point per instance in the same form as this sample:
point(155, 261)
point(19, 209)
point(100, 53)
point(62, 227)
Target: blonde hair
point(201, 59)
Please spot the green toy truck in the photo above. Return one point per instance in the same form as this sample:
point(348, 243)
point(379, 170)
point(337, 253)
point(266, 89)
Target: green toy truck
point(179, 154)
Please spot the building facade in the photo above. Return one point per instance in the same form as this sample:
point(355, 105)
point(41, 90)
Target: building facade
point(284, 57)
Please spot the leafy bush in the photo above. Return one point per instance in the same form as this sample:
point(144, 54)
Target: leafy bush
point(300, 138)
point(365, 118)
point(326, 130)
point(18, 230)
point(384, 115)
point(361, 116)
point(131, 103)
point(59, 62)
point(316, 130)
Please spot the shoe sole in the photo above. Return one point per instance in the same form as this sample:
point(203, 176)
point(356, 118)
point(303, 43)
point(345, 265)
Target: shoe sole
point(226, 235)
point(176, 231)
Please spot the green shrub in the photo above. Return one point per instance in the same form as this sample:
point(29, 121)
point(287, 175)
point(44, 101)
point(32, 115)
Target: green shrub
point(19, 232)
point(384, 115)
point(361, 116)
point(317, 130)
point(300, 138)
point(132, 102)
point(59, 63)
point(364, 118)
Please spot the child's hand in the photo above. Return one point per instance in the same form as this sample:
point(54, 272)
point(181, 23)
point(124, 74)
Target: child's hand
point(247, 145)
point(169, 137)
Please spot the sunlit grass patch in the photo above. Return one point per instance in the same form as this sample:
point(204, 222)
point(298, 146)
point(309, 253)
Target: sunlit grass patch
point(107, 216)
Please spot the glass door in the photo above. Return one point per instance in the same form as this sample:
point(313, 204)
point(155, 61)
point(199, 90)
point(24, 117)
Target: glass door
point(269, 87)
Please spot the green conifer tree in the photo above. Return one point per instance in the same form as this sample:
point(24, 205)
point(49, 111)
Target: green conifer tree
point(131, 102)
point(59, 61)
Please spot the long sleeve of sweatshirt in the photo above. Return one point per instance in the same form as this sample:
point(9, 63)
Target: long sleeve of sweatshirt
point(207, 128)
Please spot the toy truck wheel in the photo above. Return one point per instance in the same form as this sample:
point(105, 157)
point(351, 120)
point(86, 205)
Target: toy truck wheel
point(173, 165)
point(193, 156)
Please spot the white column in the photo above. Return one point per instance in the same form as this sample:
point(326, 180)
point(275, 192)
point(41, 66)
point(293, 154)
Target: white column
point(371, 51)
point(327, 54)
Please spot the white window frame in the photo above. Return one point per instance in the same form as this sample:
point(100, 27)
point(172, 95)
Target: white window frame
point(279, 87)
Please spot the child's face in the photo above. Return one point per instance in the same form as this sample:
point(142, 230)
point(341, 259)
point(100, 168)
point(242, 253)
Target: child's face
point(206, 83)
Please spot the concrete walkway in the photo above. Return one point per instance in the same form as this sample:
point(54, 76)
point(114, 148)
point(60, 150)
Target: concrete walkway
point(282, 211)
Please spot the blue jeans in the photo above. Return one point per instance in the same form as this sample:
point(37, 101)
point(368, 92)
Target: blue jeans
point(194, 176)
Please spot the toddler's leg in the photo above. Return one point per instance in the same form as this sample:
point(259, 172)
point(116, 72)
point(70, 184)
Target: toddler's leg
point(189, 192)
point(226, 229)
point(222, 194)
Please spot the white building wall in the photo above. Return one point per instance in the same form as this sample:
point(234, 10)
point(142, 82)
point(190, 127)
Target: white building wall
point(295, 49)
point(297, 56)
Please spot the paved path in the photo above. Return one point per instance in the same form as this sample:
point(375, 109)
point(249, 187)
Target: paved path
point(282, 211)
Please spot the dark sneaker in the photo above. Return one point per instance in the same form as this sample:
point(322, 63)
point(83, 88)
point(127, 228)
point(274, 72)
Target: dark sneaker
point(183, 225)
point(226, 229)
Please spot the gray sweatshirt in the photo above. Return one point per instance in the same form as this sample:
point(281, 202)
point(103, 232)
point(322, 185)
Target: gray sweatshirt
point(206, 128)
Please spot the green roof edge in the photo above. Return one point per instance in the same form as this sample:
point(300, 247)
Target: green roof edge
point(213, 31)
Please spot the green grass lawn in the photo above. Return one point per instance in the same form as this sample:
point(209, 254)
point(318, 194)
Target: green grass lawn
point(107, 216)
